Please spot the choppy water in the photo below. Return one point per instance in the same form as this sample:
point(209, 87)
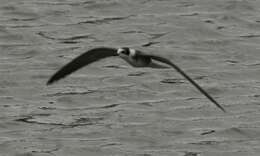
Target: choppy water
point(112, 109)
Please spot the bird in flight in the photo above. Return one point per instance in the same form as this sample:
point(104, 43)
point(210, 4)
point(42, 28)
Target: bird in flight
point(134, 57)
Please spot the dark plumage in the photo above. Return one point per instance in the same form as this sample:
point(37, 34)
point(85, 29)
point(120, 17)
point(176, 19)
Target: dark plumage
point(133, 57)
point(83, 60)
point(178, 69)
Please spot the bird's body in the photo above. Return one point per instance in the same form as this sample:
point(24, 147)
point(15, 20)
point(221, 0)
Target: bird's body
point(133, 57)
point(139, 61)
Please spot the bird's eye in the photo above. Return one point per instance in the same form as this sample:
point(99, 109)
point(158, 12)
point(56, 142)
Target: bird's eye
point(126, 52)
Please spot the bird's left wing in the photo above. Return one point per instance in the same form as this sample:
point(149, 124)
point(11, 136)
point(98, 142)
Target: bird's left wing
point(178, 69)
point(83, 60)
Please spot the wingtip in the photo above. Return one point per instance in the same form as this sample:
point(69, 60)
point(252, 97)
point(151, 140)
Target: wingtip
point(223, 110)
point(49, 82)
point(220, 107)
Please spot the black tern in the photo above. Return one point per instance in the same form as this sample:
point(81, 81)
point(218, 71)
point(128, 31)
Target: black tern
point(134, 57)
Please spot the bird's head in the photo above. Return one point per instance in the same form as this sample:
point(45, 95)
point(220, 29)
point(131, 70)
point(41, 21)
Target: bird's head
point(126, 52)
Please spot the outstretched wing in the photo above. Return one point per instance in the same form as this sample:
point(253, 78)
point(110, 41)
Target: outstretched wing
point(166, 61)
point(81, 61)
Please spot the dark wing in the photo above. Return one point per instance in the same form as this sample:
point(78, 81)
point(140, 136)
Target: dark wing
point(166, 61)
point(81, 61)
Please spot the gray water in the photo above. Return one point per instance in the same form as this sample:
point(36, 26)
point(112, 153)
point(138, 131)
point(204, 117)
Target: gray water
point(112, 109)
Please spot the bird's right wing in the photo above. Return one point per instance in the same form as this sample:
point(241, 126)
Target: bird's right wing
point(178, 69)
point(83, 60)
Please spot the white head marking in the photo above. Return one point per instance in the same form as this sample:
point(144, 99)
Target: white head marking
point(119, 51)
point(126, 52)
point(132, 52)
